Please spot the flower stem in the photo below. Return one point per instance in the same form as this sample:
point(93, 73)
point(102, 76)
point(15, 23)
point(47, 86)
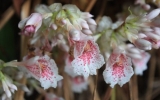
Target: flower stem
point(113, 95)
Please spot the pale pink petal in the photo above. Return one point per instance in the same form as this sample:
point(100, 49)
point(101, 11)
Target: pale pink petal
point(141, 64)
point(68, 67)
point(32, 66)
point(43, 69)
point(89, 60)
point(120, 72)
point(79, 84)
point(49, 72)
point(79, 48)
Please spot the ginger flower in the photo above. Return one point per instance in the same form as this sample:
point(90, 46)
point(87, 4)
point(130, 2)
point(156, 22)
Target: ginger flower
point(44, 69)
point(87, 58)
point(118, 68)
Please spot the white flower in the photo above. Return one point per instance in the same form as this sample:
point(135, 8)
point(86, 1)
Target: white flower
point(118, 69)
point(44, 69)
point(87, 58)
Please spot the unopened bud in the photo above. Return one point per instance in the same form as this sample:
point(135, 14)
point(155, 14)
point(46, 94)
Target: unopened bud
point(143, 44)
point(146, 6)
point(13, 86)
point(92, 28)
point(91, 21)
point(133, 50)
point(28, 30)
point(157, 30)
point(86, 31)
point(31, 24)
point(74, 35)
point(153, 36)
point(134, 56)
point(84, 25)
point(54, 26)
point(154, 13)
point(60, 36)
point(86, 15)
point(64, 21)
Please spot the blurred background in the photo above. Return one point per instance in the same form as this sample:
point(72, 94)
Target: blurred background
point(12, 46)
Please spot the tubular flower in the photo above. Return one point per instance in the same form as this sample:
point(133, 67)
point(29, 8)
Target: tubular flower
point(118, 69)
point(43, 69)
point(87, 58)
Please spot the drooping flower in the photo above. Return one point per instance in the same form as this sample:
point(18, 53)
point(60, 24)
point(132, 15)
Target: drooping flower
point(87, 58)
point(118, 68)
point(31, 24)
point(44, 69)
point(79, 84)
point(141, 64)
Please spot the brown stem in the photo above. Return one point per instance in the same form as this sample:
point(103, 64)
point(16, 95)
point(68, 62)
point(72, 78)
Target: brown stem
point(94, 92)
point(92, 88)
point(151, 78)
point(68, 94)
point(135, 87)
point(90, 6)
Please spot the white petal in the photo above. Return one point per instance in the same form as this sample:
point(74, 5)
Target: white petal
point(22, 23)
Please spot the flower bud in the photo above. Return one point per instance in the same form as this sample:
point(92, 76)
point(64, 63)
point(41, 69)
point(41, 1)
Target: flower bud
point(157, 30)
point(84, 25)
point(154, 13)
point(86, 15)
point(91, 21)
point(134, 56)
point(31, 24)
point(86, 31)
point(153, 36)
point(146, 6)
point(143, 44)
point(64, 21)
point(54, 26)
point(74, 34)
point(92, 28)
point(28, 30)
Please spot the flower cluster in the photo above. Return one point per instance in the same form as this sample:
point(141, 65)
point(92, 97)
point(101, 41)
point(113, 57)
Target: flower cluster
point(141, 34)
point(69, 29)
point(121, 45)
